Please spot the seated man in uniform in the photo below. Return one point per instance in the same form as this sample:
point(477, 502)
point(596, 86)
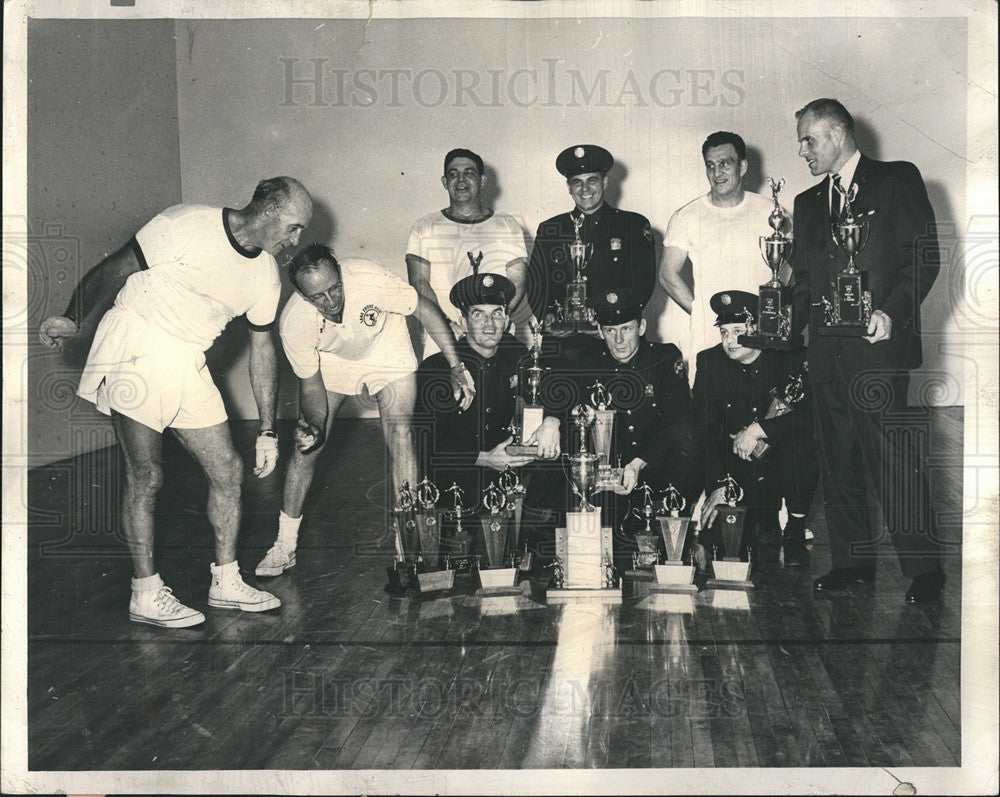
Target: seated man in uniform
point(621, 260)
point(468, 442)
point(732, 395)
point(344, 333)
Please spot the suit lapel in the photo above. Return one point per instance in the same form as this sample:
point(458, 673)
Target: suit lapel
point(863, 180)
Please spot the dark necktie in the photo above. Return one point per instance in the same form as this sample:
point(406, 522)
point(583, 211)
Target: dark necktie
point(837, 198)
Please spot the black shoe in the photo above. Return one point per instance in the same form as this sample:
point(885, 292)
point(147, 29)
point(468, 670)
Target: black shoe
point(796, 554)
point(842, 577)
point(926, 587)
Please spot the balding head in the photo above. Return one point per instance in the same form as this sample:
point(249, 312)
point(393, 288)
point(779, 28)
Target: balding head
point(279, 211)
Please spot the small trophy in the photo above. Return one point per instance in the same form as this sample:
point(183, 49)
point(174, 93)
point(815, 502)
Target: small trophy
point(772, 329)
point(499, 575)
point(401, 573)
point(528, 416)
point(674, 575)
point(514, 491)
point(460, 541)
point(582, 546)
point(428, 522)
point(575, 316)
point(851, 309)
point(604, 424)
point(729, 570)
point(783, 401)
point(646, 540)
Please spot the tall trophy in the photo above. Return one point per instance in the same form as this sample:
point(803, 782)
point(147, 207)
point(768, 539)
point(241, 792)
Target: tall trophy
point(647, 542)
point(674, 575)
point(783, 401)
point(528, 416)
point(772, 328)
point(851, 309)
point(514, 491)
point(575, 315)
point(459, 542)
point(401, 573)
point(603, 428)
point(500, 575)
point(583, 560)
point(428, 522)
point(729, 569)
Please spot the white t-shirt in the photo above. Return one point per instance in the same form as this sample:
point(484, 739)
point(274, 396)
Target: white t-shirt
point(376, 304)
point(198, 277)
point(446, 245)
point(724, 248)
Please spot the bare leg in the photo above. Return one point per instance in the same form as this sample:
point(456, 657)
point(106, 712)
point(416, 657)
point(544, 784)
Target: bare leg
point(212, 448)
point(395, 407)
point(302, 467)
point(142, 450)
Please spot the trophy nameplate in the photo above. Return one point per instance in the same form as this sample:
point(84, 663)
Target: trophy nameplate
point(772, 327)
point(729, 571)
point(851, 310)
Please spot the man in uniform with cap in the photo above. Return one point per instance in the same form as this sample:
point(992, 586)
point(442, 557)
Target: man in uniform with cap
point(622, 261)
point(468, 443)
point(733, 391)
point(466, 238)
point(344, 333)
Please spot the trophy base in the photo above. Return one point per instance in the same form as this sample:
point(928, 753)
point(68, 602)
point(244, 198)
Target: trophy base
point(674, 578)
point(772, 342)
point(398, 580)
point(435, 581)
point(731, 571)
point(640, 575)
point(564, 595)
point(724, 583)
point(521, 450)
point(842, 330)
point(563, 329)
point(499, 581)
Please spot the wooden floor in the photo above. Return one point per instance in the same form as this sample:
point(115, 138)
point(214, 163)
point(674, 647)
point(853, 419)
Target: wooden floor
point(343, 676)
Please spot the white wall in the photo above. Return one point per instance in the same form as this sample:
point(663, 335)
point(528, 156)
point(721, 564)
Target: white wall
point(372, 156)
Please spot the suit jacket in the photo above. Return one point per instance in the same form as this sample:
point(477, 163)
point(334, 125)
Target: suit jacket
point(623, 259)
point(901, 258)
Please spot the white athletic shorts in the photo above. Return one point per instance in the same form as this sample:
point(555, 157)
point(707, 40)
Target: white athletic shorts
point(145, 374)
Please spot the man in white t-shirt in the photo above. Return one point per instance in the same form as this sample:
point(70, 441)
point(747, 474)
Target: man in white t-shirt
point(464, 239)
point(344, 333)
point(182, 278)
point(719, 232)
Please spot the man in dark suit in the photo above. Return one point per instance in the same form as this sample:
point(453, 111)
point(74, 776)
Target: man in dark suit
point(622, 261)
point(859, 384)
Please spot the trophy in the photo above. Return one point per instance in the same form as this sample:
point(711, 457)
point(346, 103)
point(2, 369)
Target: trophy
point(851, 309)
point(583, 562)
point(500, 574)
point(783, 401)
point(401, 572)
point(575, 316)
point(646, 539)
point(674, 575)
point(459, 542)
point(730, 572)
point(604, 423)
point(514, 491)
point(772, 328)
point(428, 523)
point(528, 416)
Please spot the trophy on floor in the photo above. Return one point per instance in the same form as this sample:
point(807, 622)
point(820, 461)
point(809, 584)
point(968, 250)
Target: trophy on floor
point(851, 309)
point(783, 401)
point(459, 542)
point(646, 540)
point(583, 547)
point(674, 575)
point(428, 522)
point(604, 424)
point(729, 569)
point(772, 328)
point(529, 415)
point(499, 575)
point(575, 315)
point(514, 491)
point(401, 574)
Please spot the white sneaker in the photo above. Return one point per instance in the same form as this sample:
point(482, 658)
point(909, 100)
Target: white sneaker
point(277, 561)
point(230, 591)
point(159, 607)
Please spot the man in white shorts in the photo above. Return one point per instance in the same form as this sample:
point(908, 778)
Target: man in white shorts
point(344, 332)
point(182, 278)
point(719, 232)
point(465, 238)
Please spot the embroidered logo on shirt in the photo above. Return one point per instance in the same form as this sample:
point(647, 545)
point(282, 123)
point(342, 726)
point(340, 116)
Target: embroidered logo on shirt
point(370, 314)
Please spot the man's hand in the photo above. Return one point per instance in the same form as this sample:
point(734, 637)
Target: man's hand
point(547, 438)
point(307, 436)
point(630, 476)
point(55, 329)
point(499, 460)
point(880, 327)
point(267, 454)
point(462, 386)
point(745, 442)
point(710, 508)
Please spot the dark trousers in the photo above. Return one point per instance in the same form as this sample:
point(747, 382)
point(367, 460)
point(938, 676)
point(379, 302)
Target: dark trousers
point(864, 427)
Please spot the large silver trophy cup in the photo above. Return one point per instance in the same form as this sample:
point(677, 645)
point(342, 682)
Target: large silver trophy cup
point(575, 316)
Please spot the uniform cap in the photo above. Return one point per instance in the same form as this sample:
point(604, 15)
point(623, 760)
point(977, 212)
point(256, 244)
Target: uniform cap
point(732, 307)
point(584, 159)
point(482, 289)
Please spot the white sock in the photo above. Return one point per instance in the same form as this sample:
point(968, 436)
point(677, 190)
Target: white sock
point(230, 567)
point(148, 583)
point(288, 530)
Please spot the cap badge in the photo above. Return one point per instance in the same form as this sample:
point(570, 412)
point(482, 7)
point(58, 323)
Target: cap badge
point(579, 152)
point(612, 298)
point(726, 299)
point(488, 281)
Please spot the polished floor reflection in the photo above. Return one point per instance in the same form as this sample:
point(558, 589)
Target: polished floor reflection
point(343, 676)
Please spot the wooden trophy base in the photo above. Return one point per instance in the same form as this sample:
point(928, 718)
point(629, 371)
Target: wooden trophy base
point(730, 574)
point(435, 581)
point(640, 575)
point(674, 578)
point(499, 581)
point(842, 330)
point(772, 342)
point(584, 549)
point(521, 450)
point(604, 595)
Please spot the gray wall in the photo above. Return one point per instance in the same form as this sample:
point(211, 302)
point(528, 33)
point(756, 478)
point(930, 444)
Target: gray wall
point(103, 158)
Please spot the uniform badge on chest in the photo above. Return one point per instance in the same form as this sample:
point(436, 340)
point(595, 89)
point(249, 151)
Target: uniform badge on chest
point(616, 244)
point(649, 390)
